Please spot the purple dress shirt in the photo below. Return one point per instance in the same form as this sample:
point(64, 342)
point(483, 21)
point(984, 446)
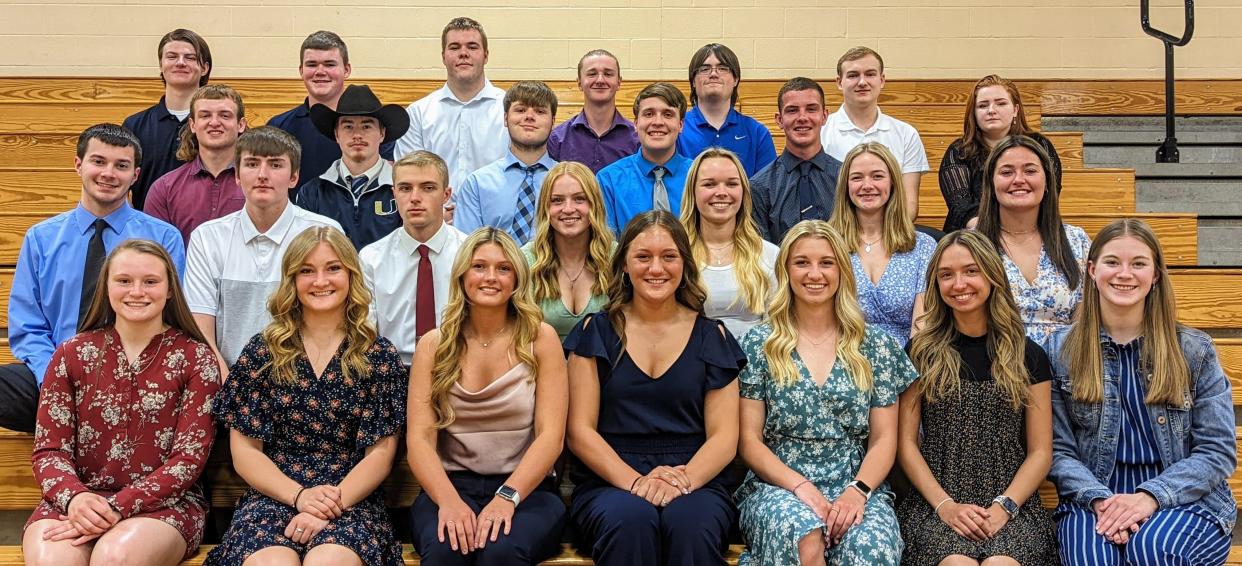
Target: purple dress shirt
point(189, 195)
point(574, 140)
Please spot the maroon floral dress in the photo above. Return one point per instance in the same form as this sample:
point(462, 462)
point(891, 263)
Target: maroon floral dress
point(137, 433)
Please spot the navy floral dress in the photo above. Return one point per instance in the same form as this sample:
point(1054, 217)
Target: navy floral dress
point(315, 430)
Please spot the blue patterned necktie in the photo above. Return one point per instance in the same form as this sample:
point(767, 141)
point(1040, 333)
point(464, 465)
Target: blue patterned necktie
point(357, 184)
point(659, 193)
point(524, 219)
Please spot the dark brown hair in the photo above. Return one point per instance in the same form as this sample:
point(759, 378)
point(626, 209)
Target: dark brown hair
point(176, 312)
point(196, 41)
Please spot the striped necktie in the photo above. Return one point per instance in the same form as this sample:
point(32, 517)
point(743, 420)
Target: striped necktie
point(357, 184)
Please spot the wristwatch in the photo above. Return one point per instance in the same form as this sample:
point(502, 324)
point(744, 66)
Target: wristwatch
point(1007, 504)
point(509, 494)
point(861, 487)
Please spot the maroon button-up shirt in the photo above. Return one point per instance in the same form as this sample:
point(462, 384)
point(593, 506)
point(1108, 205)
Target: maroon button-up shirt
point(189, 195)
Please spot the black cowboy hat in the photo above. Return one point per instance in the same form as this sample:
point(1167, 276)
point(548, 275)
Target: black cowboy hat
point(358, 100)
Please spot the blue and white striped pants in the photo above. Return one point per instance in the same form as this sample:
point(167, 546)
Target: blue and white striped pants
point(1170, 537)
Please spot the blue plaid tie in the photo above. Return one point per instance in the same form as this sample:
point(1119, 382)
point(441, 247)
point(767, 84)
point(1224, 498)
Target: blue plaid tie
point(524, 218)
point(357, 184)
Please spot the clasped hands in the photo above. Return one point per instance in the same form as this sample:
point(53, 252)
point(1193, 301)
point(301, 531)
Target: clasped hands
point(662, 485)
point(466, 531)
point(972, 521)
point(839, 515)
point(316, 506)
point(89, 517)
point(1119, 516)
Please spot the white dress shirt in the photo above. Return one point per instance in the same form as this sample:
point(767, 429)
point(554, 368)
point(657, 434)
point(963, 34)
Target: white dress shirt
point(466, 134)
point(390, 267)
point(232, 269)
point(839, 135)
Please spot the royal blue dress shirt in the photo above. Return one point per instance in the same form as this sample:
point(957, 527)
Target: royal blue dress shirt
point(628, 184)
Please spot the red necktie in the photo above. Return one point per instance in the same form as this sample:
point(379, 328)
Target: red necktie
point(425, 296)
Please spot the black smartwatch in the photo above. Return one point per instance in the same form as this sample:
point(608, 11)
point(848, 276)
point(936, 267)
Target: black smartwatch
point(509, 494)
point(1007, 504)
point(861, 487)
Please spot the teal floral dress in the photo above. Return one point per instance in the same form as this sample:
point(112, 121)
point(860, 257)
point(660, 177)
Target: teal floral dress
point(821, 432)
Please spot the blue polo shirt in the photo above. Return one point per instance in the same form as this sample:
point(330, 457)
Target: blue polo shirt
point(488, 197)
point(47, 286)
point(741, 134)
point(159, 132)
point(319, 152)
point(627, 185)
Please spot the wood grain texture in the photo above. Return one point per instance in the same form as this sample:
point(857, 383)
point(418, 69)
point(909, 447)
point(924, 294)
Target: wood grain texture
point(6, 356)
point(1068, 144)
point(6, 285)
point(13, 227)
point(1207, 298)
point(1055, 97)
point(1178, 233)
point(48, 191)
point(1229, 352)
point(1082, 191)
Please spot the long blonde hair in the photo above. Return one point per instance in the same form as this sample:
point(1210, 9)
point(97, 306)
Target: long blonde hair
point(546, 264)
point(898, 232)
point(1161, 355)
point(780, 344)
point(932, 348)
point(690, 292)
point(525, 315)
point(283, 335)
point(751, 277)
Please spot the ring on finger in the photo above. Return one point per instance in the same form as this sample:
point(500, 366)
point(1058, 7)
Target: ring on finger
point(450, 522)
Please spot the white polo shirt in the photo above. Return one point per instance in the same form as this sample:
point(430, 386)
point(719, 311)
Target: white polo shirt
point(839, 135)
point(390, 267)
point(466, 134)
point(231, 269)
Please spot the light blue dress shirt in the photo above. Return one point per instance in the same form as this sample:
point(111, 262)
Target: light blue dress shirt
point(488, 197)
point(628, 183)
point(47, 286)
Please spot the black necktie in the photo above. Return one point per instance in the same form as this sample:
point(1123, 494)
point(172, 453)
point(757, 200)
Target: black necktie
point(808, 205)
point(90, 270)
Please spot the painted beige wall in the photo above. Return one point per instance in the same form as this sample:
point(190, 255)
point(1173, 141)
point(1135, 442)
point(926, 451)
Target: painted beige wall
point(654, 38)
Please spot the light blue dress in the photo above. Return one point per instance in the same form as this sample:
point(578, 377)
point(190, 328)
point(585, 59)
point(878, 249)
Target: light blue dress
point(1048, 304)
point(821, 432)
point(889, 304)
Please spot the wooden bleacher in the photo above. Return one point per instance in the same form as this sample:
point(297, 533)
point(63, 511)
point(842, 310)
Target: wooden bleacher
point(41, 117)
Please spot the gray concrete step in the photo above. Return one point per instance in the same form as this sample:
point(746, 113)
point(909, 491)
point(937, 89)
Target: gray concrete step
point(1220, 242)
point(1127, 156)
point(1185, 124)
point(1204, 197)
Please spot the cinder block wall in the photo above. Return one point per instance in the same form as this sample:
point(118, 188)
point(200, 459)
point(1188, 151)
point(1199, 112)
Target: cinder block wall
point(654, 38)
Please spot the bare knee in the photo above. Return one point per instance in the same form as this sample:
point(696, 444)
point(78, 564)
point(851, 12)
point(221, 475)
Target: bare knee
point(273, 556)
point(811, 548)
point(1000, 561)
point(331, 555)
point(39, 552)
point(959, 560)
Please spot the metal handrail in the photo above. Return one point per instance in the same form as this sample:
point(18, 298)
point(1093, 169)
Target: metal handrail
point(1168, 153)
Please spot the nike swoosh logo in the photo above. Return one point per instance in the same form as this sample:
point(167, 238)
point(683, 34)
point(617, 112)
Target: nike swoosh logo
point(739, 137)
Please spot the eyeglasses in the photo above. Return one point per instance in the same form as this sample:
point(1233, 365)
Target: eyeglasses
point(705, 70)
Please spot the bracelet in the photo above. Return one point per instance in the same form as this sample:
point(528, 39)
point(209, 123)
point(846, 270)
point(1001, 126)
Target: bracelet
point(295, 498)
point(942, 502)
point(634, 483)
point(798, 485)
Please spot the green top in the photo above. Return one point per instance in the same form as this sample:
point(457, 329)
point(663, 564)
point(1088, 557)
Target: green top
point(554, 310)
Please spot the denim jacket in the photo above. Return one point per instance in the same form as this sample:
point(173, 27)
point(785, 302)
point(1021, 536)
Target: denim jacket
point(1197, 441)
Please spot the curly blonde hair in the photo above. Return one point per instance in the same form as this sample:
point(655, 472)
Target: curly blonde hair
point(283, 335)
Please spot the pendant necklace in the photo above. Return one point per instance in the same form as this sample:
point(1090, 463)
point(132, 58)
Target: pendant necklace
point(718, 261)
point(573, 279)
point(494, 337)
point(867, 245)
